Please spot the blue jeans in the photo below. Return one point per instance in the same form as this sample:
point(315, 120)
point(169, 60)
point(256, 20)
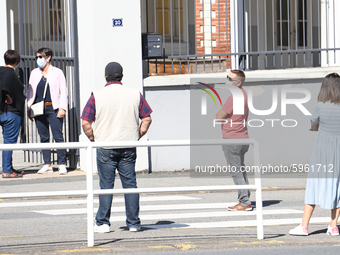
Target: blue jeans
point(107, 162)
point(49, 118)
point(10, 123)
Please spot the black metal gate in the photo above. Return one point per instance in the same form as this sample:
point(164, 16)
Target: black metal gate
point(52, 24)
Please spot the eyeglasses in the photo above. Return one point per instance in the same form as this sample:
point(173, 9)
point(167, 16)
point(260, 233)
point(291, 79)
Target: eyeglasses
point(38, 57)
point(230, 79)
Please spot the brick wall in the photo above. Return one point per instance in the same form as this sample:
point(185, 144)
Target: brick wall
point(219, 17)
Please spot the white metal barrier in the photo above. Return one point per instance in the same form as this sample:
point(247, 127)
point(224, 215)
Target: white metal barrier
point(89, 192)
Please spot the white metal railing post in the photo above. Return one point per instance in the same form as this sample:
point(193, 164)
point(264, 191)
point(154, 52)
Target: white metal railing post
point(258, 184)
point(89, 187)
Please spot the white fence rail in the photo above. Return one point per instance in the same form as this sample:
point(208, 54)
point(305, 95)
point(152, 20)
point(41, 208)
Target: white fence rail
point(90, 192)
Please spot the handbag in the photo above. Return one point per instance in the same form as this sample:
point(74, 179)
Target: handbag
point(37, 109)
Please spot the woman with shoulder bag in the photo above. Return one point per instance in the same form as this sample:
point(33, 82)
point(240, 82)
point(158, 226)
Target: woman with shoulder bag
point(48, 84)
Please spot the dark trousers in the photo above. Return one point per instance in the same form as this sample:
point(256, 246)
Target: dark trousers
point(43, 122)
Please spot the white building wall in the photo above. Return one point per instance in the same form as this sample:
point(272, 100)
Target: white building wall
point(171, 121)
point(3, 31)
point(100, 43)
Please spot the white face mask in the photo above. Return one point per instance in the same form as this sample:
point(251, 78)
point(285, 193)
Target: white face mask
point(41, 62)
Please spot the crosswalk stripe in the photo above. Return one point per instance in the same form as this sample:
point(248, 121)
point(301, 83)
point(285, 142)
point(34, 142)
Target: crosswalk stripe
point(229, 224)
point(204, 215)
point(142, 208)
point(173, 215)
point(84, 201)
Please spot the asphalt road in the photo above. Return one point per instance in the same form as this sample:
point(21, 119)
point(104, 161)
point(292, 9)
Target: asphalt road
point(185, 223)
point(304, 250)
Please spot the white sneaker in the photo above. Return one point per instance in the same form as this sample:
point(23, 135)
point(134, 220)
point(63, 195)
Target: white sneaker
point(62, 169)
point(332, 231)
point(104, 228)
point(299, 231)
point(45, 169)
point(134, 229)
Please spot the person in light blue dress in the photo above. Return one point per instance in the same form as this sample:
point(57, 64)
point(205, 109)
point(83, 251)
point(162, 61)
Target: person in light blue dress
point(323, 183)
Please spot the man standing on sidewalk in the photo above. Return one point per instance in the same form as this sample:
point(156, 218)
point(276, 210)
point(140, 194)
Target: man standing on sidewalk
point(236, 128)
point(115, 111)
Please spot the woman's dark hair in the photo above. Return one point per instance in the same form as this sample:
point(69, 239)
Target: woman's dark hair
point(330, 89)
point(47, 52)
point(12, 57)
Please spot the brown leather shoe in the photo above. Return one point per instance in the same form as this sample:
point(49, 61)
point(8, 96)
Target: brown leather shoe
point(240, 207)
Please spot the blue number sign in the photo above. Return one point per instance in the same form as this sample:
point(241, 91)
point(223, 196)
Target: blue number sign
point(117, 22)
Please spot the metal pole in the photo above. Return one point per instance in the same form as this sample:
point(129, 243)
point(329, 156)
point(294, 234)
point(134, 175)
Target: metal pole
point(203, 35)
point(319, 32)
point(179, 34)
point(273, 35)
point(241, 34)
point(21, 35)
point(258, 33)
point(334, 32)
point(171, 36)
point(265, 30)
point(211, 38)
point(304, 31)
point(281, 32)
point(296, 34)
point(89, 184)
point(258, 184)
point(288, 21)
point(311, 31)
point(76, 89)
point(195, 37)
point(187, 20)
point(219, 34)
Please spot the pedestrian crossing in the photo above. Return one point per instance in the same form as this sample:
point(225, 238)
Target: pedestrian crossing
point(197, 212)
point(84, 201)
point(146, 208)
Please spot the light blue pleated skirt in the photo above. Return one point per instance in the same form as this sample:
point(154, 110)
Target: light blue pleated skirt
point(323, 183)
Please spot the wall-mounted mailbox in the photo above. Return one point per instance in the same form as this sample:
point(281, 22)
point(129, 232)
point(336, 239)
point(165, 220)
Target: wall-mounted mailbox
point(152, 45)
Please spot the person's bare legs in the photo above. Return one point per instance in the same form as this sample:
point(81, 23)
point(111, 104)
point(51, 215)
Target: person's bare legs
point(307, 214)
point(302, 230)
point(334, 217)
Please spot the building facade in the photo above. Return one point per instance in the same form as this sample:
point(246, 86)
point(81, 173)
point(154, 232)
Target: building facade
point(278, 43)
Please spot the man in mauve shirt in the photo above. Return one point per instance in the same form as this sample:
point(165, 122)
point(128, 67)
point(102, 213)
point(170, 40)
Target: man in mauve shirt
point(235, 127)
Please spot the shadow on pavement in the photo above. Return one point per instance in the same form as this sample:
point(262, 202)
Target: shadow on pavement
point(266, 203)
